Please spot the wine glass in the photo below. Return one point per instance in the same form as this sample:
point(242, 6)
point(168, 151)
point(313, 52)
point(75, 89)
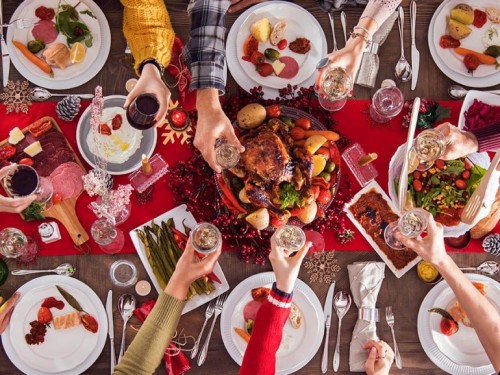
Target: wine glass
point(410, 225)
point(427, 147)
point(227, 155)
point(23, 180)
point(387, 103)
point(334, 89)
point(13, 243)
point(205, 238)
point(109, 238)
point(142, 111)
point(289, 237)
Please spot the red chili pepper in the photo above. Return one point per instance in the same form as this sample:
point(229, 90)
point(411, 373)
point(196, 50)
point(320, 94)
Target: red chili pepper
point(227, 192)
point(179, 233)
point(213, 277)
point(89, 323)
point(321, 182)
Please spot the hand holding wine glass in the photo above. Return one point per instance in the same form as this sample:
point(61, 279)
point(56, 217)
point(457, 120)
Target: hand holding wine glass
point(458, 143)
point(17, 204)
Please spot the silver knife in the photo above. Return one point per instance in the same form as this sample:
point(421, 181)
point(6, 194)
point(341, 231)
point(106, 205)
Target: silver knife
point(403, 178)
point(5, 52)
point(415, 55)
point(111, 328)
point(327, 310)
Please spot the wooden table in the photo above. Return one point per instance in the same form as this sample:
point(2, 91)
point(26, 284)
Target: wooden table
point(404, 295)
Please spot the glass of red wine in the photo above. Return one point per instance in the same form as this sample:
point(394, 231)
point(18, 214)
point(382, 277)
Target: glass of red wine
point(142, 111)
point(24, 180)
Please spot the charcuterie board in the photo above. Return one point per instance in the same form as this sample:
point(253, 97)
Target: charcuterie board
point(61, 165)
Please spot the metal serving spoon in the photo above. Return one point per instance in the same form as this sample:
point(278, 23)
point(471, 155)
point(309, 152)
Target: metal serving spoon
point(458, 92)
point(65, 269)
point(341, 303)
point(403, 67)
point(126, 306)
point(40, 94)
point(490, 267)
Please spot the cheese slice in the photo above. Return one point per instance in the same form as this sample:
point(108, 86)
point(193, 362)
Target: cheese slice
point(33, 149)
point(15, 136)
point(278, 67)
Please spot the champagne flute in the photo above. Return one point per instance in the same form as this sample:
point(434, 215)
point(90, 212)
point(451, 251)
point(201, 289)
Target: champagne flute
point(410, 225)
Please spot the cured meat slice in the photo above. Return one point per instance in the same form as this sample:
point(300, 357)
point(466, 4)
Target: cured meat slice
point(46, 31)
point(250, 310)
point(291, 67)
point(67, 179)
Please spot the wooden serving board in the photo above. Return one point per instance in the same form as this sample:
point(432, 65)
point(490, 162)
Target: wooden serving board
point(64, 211)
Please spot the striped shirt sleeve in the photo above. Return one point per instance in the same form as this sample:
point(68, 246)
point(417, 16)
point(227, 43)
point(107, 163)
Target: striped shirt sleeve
point(488, 137)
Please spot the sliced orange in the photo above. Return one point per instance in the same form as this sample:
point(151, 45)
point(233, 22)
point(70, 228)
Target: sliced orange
point(77, 53)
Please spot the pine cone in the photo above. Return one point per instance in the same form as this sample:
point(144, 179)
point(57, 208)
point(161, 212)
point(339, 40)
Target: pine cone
point(68, 107)
point(491, 244)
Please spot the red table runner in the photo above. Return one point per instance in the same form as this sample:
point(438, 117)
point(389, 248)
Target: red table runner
point(353, 121)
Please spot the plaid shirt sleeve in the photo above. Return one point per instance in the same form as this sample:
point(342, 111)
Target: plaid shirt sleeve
point(204, 53)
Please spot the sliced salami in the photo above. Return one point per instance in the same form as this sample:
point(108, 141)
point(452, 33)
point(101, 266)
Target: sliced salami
point(67, 179)
point(291, 67)
point(46, 31)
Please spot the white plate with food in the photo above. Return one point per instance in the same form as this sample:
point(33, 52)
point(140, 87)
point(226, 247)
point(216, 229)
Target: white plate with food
point(452, 63)
point(372, 206)
point(484, 97)
point(299, 25)
point(121, 145)
point(452, 227)
point(181, 217)
point(92, 25)
point(462, 352)
point(64, 351)
point(298, 346)
point(233, 53)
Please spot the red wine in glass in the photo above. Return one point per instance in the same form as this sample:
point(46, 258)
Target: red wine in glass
point(24, 181)
point(142, 112)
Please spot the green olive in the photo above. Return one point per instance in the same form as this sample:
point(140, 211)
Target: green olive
point(330, 166)
point(272, 54)
point(326, 176)
point(36, 45)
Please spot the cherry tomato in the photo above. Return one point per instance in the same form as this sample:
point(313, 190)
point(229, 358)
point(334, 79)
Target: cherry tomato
point(89, 323)
point(471, 62)
point(277, 222)
point(44, 315)
point(315, 191)
point(250, 45)
point(324, 151)
point(448, 327)
point(246, 58)
point(303, 122)
point(334, 153)
point(440, 164)
point(417, 175)
point(117, 121)
point(296, 211)
point(26, 161)
point(325, 196)
point(480, 18)
point(320, 213)
point(466, 175)
point(282, 44)
point(460, 184)
point(447, 41)
point(297, 134)
point(7, 151)
point(257, 58)
point(104, 129)
point(467, 165)
point(417, 185)
point(265, 70)
point(57, 198)
point(273, 111)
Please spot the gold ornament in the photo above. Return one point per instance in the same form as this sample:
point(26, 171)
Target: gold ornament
point(322, 267)
point(16, 97)
point(171, 134)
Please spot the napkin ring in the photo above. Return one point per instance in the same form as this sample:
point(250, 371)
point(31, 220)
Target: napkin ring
point(368, 314)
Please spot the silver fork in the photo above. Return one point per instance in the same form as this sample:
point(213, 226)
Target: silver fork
point(21, 23)
point(332, 24)
point(389, 317)
point(475, 202)
point(218, 310)
point(208, 314)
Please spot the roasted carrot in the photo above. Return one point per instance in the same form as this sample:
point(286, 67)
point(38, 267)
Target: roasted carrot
point(242, 333)
point(33, 58)
point(483, 59)
point(328, 134)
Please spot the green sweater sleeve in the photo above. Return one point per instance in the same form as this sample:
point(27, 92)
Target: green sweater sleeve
point(148, 347)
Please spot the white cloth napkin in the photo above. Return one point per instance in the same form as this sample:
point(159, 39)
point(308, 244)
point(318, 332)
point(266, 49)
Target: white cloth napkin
point(365, 279)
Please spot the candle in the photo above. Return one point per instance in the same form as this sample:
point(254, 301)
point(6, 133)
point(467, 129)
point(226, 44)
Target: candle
point(146, 167)
point(178, 118)
point(130, 84)
point(143, 288)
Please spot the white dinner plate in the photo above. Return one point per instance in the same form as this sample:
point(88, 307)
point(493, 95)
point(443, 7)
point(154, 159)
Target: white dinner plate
point(148, 141)
point(75, 74)
point(485, 97)
point(461, 353)
point(233, 54)
point(450, 63)
point(181, 215)
point(69, 351)
point(300, 24)
point(298, 346)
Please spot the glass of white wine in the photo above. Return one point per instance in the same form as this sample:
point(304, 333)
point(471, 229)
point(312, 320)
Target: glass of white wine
point(289, 237)
point(205, 238)
point(227, 155)
point(334, 88)
point(410, 225)
point(428, 146)
point(13, 243)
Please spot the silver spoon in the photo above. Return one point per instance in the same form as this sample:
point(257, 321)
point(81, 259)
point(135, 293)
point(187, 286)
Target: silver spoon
point(126, 306)
point(40, 94)
point(459, 92)
point(403, 67)
point(65, 269)
point(490, 267)
point(341, 303)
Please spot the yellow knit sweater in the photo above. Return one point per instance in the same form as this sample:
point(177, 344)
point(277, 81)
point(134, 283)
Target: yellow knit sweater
point(147, 28)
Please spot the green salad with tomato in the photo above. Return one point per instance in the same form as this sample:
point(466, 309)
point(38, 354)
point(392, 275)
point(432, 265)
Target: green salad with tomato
point(444, 189)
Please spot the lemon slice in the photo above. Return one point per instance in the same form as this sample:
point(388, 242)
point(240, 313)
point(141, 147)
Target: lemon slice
point(412, 161)
point(77, 53)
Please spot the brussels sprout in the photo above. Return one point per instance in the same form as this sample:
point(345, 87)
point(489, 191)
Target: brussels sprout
point(493, 51)
point(36, 45)
point(272, 54)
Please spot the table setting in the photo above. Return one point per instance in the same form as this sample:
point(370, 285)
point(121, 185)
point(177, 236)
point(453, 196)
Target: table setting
point(118, 199)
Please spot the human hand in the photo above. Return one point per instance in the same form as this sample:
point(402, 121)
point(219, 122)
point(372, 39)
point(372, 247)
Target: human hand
point(190, 268)
point(286, 268)
point(237, 5)
point(6, 310)
point(431, 248)
point(150, 82)
point(212, 124)
point(13, 205)
point(458, 142)
point(380, 358)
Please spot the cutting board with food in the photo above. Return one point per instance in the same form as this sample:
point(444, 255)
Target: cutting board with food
point(43, 146)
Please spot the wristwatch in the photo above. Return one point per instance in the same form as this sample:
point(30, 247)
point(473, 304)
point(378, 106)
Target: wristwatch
point(154, 62)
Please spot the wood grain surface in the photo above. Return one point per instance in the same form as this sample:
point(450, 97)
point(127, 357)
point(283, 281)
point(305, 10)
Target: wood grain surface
point(405, 295)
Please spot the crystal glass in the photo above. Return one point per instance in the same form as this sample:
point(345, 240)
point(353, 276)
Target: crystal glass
point(428, 146)
point(23, 180)
point(410, 225)
point(13, 243)
point(109, 238)
point(387, 103)
point(142, 111)
point(289, 237)
point(205, 238)
point(123, 273)
point(227, 155)
point(334, 88)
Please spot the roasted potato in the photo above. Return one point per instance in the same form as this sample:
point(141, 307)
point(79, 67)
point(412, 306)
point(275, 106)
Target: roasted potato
point(458, 30)
point(251, 116)
point(259, 219)
point(261, 30)
point(463, 13)
point(309, 213)
point(314, 142)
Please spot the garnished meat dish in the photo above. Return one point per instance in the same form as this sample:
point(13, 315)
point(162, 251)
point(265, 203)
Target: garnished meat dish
point(300, 45)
